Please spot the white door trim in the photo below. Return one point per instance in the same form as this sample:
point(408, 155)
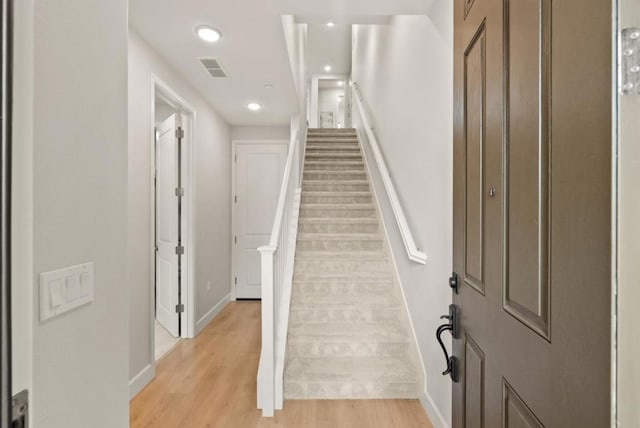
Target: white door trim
point(234, 151)
point(187, 287)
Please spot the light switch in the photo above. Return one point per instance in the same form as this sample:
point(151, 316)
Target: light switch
point(73, 288)
point(55, 293)
point(85, 284)
point(65, 289)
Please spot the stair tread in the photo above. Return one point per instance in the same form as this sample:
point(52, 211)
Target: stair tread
point(347, 330)
point(330, 220)
point(345, 369)
point(355, 236)
point(342, 255)
point(335, 193)
point(339, 206)
point(350, 301)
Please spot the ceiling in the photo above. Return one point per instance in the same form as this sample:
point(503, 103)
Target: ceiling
point(252, 49)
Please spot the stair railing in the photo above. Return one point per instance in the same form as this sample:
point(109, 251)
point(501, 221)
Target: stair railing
point(412, 250)
point(277, 276)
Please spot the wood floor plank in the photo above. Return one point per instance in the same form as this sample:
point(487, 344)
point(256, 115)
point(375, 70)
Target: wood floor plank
point(210, 382)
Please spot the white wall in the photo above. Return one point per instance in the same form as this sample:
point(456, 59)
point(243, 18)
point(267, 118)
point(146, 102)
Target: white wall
point(212, 198)
point(404, 70)
point(295, 36)
point(260, 132)
point(80, 365)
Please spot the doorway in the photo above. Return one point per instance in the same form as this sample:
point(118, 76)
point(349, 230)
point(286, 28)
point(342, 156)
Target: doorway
point(172, 290)
point(626, 373)
point(330, 102)
point(258, 168)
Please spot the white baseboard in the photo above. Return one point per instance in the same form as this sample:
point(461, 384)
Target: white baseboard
point(434, 414)
point(141, 380)
point(209, 316)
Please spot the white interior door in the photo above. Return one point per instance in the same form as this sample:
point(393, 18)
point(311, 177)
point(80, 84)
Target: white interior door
point(259, 170)
point(167, 225)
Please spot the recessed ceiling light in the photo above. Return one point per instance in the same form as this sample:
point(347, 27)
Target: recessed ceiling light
point(330, 24)
point(254, 106)
point(327, 68)
point(340, 83)
point(208, 34)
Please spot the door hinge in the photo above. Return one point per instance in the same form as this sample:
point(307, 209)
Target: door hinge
point(179, 133)
point(235, 199)
point(179, 192)
point(235, 158)
point(180, 308)
point(235, 239)
point(180, 250)
point(630, 61)
point(235, 280)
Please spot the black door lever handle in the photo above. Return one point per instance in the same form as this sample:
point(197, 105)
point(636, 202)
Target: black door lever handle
point(452, 326)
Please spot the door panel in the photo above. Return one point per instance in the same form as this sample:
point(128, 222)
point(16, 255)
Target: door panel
point(474, 80)
point(532, 212)
point(527, 166)
point(167, 226)
point(474, 385)
point(259, 173)
point(516, 412)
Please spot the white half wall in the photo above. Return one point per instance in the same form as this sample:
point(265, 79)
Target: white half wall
point(212, 231)
point(404, 70)
point(80, 359)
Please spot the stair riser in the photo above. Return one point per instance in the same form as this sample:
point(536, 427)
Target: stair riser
point(343, 187)
point(338, 228)
point(334, 148)
point(336, 213)
point(342, 350)
point(336, 157)
point(310, 267)
point(351, 390)
point(337, 176)
point(333, 144)
point(343, 288)
point(336, 199)
point(343, 315)
point(316, 142)
point(334, 166)
point(317, 245)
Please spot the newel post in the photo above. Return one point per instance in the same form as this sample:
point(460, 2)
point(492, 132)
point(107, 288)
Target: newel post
point(267, 376)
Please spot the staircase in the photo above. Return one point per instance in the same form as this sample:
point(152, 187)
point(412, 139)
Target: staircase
point(348, 332)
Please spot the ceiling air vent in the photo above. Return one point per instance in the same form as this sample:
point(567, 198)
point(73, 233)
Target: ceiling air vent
point(213, 66)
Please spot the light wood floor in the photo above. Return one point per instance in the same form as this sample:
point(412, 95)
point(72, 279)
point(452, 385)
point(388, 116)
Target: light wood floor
point(211, 382)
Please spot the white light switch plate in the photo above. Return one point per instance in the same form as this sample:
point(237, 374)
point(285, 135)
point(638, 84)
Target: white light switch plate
point(65, 289)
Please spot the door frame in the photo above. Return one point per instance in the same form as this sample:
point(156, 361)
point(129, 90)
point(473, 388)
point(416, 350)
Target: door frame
point(234, 152)
point(159, 89)
point(313, 112)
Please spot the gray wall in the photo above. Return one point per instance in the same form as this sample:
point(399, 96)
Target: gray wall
point(80, 366)
point(404, 70)
point(212, 198)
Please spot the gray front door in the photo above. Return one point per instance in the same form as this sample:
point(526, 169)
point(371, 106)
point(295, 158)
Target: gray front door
point(532, 213)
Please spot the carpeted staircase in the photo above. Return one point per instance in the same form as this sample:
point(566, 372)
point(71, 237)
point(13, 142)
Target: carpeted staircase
point(348, 332)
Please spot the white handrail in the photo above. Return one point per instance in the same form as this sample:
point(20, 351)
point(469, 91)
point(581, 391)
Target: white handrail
point(277, 221)
point(276, 276)
point(413, 252)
